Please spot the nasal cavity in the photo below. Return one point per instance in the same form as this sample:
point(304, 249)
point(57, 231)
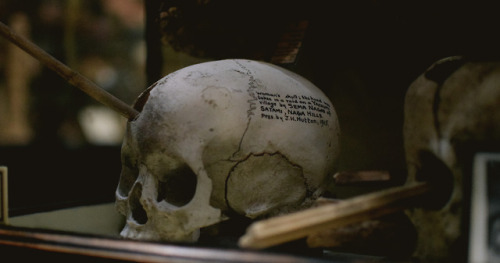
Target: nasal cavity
point(177, 187)
point(138, 213)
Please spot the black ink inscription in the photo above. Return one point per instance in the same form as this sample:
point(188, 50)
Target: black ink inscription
point(293, 108)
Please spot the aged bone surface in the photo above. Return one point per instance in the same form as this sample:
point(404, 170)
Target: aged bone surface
point(230, 136)
point(455, 103)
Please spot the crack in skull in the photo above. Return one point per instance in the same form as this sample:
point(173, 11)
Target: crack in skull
point(288, 197)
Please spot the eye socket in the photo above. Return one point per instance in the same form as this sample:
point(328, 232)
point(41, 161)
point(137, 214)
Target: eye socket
point(177, 187)
point(434, 171)
point(128, 176)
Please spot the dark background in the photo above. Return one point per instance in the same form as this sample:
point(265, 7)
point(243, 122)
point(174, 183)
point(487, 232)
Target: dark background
point(362, 54)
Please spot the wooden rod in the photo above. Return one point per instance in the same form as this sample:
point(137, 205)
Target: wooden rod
point(73, 77)
point(281, 229)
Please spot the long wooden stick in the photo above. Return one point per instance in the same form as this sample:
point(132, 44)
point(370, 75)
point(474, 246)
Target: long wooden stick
point(73, 77)
point(278, 230)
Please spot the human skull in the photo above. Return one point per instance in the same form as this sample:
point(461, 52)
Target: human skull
point(451, 112)
point(222, 137)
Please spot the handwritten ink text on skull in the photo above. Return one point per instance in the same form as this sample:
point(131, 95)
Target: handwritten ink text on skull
point(297, 108)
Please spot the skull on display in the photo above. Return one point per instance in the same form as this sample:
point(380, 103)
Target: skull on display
point(223, 137)
point(451, 111)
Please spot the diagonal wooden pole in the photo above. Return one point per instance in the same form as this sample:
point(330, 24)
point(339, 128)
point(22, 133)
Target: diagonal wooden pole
point(281, 229)
point(72, 77)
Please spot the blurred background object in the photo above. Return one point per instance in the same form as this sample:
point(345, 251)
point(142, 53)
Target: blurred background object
point(51, 134)
point(102, 40)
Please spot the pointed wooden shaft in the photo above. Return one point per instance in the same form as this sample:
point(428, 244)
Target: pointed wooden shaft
point(73, 77)
point(281, 229)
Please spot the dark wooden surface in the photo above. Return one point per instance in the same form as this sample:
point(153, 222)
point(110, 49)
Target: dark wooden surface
point(27, 245)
